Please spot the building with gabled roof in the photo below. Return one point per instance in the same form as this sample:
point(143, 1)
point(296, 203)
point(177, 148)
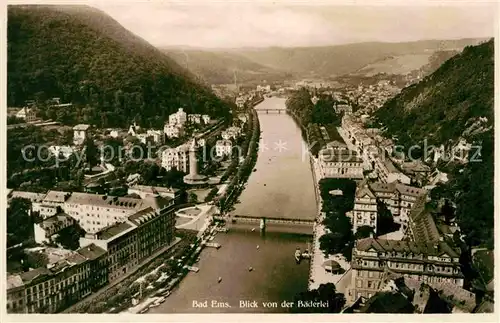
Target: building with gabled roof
point(374, 259)
point(134, 239)
point(364, 212)
point(62, 283)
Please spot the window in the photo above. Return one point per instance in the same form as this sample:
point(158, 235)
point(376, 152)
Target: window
point(369, 284)
point(359, 283)
point(370, 274)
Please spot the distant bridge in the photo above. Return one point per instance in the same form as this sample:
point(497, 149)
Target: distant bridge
point(249, 218)
point(270, 110)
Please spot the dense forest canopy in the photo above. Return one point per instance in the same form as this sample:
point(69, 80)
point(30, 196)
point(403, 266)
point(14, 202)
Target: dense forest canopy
point(441, 109)
point(83, 56)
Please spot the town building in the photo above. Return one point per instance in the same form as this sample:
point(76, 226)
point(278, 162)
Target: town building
point(223, 148)
point(134, 130)
point(52, 203)
point(374, 259)
point(231, 133)
point(178, 118)
point(56, 103)
point(80, 133)
point(34, 198)
point(205, 118)
point(130, 242)
point(153, 136)
point(45, 230)
point(240, 102)
point(59, 285)
point(364, 212)
point(26, 113)
point(343, 108)
point(336, 161)
point(177, 158)
point(94, 212)
point(398, 198)
point(194, 118)
point(173, 131)
point(150, 191)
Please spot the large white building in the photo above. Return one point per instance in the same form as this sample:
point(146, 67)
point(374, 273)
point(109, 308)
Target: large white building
point(223, 148)
point(399, 199)
point(173, 131)
point(94, 211)
point(336, 161)
point(178, 118)
point(365, 208)
point(155, 136)
point(177, 158)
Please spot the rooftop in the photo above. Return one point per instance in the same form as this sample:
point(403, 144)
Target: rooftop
point(426, 249)
point(422, 223)
point(81, 127)
point(91, 251)
point(56, 196)
point(33, 197)
point(55, 220)
point(143, 216)
point(106, 201)
point(113, 230)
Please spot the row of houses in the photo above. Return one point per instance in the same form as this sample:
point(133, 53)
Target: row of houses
point(105, 256)
point(423, 255)
point(130, 230)
point(178, 157)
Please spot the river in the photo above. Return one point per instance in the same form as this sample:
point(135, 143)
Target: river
point(281, 187)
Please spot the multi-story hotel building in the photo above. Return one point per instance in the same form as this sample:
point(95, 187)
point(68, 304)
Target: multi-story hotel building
point(51, 289)
point(177, 158)
point(336, 161)
point(365, 208)
point(178, 118)
point(374, 259)
point(94, 212)
point(398, 198)
point(129, 242)
point(223, 148)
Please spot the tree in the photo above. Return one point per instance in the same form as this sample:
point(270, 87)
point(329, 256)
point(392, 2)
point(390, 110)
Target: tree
point(364, 231)
point(69, 237)
point(340, 237)
point(193, 198)
point(385, 219)
point(324, 293)
point(19, 222)
point(448, 211)
point(91, 152)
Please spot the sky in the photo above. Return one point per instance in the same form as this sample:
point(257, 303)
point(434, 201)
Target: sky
point(264, 24)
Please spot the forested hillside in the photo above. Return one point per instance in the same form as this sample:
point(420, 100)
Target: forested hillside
point(454, 102)
point(83, 56)
point(220, 67)
point(330, 61)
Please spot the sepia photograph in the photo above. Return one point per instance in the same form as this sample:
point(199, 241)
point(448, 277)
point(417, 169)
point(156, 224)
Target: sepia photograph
point(189, 157)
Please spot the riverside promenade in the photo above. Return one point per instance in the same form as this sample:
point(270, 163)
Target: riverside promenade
point(317, 272)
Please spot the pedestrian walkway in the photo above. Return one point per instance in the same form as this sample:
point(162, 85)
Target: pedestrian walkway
point(318, 274)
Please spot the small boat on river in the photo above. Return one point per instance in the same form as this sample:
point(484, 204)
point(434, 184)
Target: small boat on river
point(219, 280)
point(298, 255)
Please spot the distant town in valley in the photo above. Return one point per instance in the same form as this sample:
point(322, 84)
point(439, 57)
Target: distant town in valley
point(341, 179)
